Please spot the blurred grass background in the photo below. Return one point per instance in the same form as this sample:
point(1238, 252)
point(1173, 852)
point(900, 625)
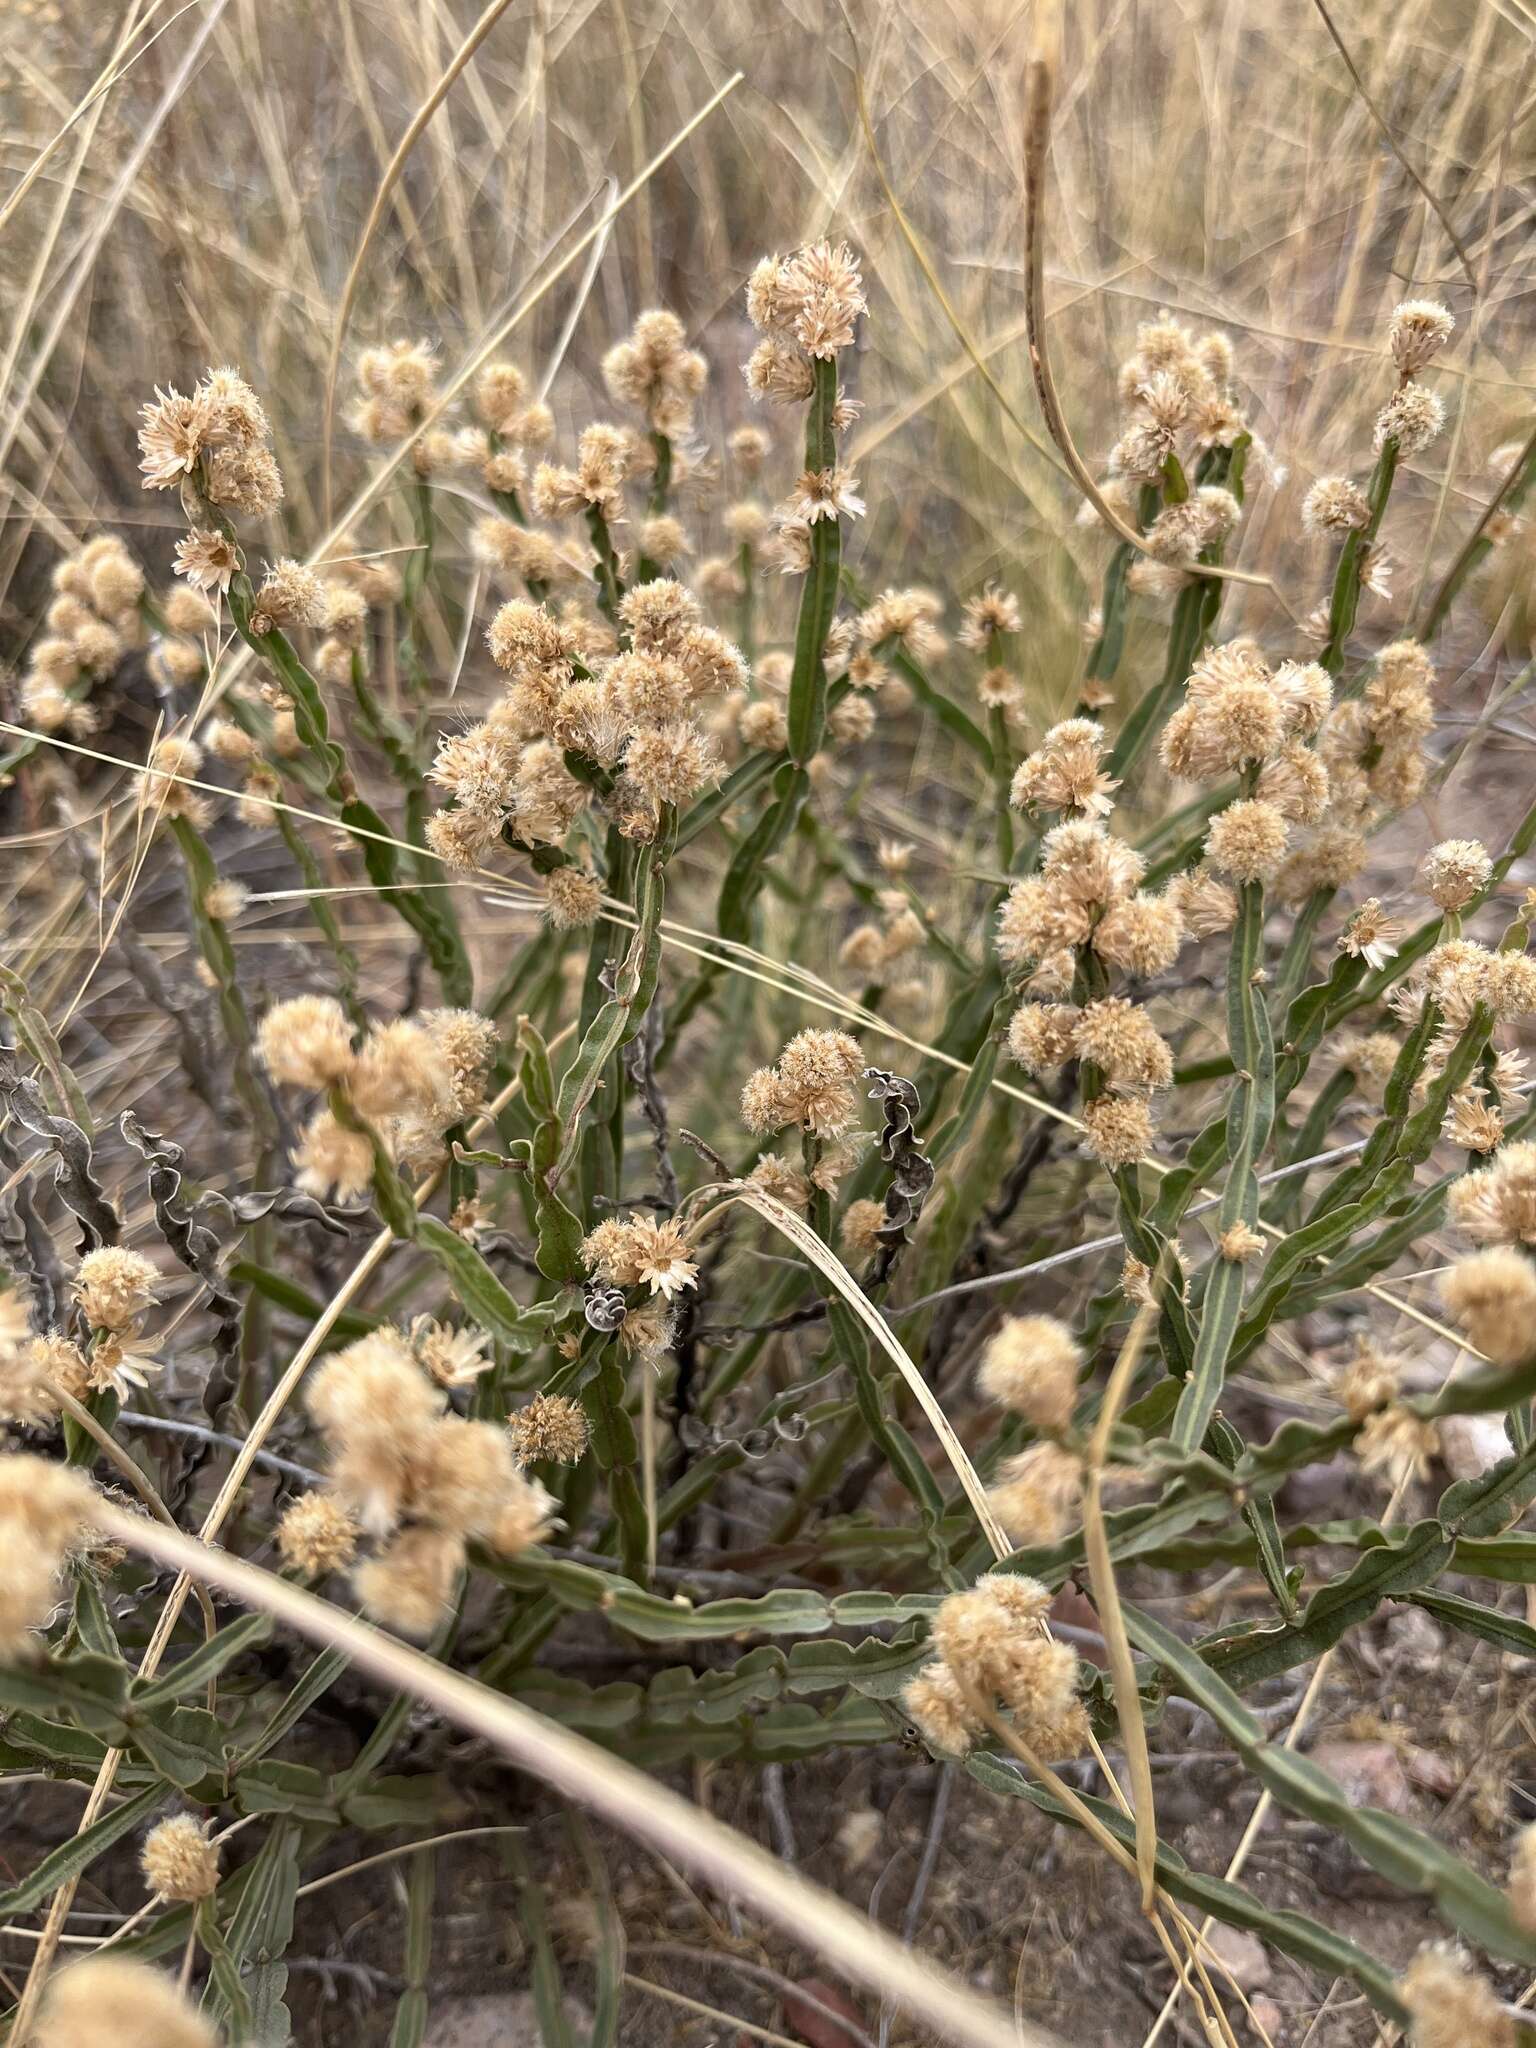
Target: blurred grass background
point(189, 184)
point(1214, 158)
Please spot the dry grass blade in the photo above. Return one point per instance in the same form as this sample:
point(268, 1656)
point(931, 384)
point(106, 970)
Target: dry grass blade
point(80, 269)
point(832, 1269)
point(1393, 144)
point(1106, 1598)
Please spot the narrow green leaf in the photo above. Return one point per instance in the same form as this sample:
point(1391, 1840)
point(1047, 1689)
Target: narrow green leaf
point(74, 1857)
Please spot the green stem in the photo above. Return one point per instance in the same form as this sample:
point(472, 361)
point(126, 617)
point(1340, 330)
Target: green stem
point(818, 598)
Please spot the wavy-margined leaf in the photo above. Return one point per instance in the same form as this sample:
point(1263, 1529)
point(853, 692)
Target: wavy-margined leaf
point(1239, 1545)
point(418, 1802)
point(1396, 1564)
point(1146, 714)
point(1504, 1630)
point(1309, 1017)
point(721, 801)
point(30, 1739)
point(748, 866)
point(185, 1744)
point(1389, 1129)
point(74, 1174)
point(1293, 1934)
point(974, 1095)
point(560, 1231)
point(790, 1610)
point(409, 2026)
point(807, 709)
point(93, 1624)
point(1488, 1504)
point(1509, 1559)
point(1396, 1569)
point(1409, 1217)
point(607, 1952)
point(1313, 1241)
point(1294, 1444)
point(1259, 1514)
point(616, 1450)
point(277, 1786)
point(945, 710)
point(1176, 1189)
point(258, 1937)
point(298, 1301)
point(428, 912)
point(729, 1713)
point(320, 1676)
point(1132, 1532)
point(1403, 1854)
point(225, 1990)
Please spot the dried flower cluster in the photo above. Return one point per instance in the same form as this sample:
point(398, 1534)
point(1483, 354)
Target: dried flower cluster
point(411, 1081)
point(94, 620)
point(420, 1481)
point(994, 1654)
point(1059, 931)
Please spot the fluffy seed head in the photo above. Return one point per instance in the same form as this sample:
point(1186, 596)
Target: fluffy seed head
point(990, 1640)
point(1455, 871)
point(1118, 1130)
point(1124, 1044)
point(402, 1071)
point(1247, 840)
point(114, 2002)
point(306, 1042)
point(1451, 2008)
point(291, 594)
point(668, 764)
point(1492, 1295)
point(1031, 1367)
point(1412, 417)
point(859, 1229)
point(1141, 935)
point(407, 1586)
point(113, 1285)
point(551, 1429)
point(572, 897)
point(245, 481)
point(316, 1535)
point(1335, 505)
point(178, 1860)
point(332, 1160)
point(1417, 331)
point(1037, 1493)
point(45, 1510)
point(1497, 1204)
point(1042, 1036)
